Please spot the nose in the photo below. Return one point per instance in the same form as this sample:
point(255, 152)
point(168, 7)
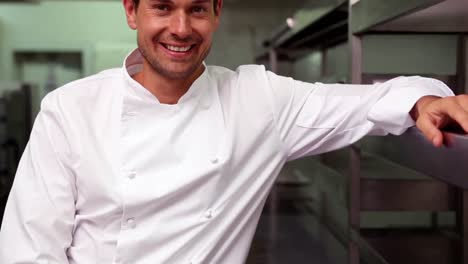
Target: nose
point(180, 26)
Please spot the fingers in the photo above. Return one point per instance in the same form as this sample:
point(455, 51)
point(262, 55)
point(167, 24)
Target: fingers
point(438, 140)
point(458, 113)
point(462, 101)
point(430, 130)
point(441, 112)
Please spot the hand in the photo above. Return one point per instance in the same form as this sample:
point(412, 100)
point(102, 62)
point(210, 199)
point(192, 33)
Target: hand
point(433, 113)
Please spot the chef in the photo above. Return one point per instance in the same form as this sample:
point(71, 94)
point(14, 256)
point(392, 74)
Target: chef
point(168, 160)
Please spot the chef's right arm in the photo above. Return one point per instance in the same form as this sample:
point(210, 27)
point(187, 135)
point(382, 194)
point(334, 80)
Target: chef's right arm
point(39, 216)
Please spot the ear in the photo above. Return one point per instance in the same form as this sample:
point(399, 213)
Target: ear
point(218, 12)
point(219, 7)
point(130, 11)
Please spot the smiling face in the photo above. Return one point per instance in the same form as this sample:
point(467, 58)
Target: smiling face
point(174, 36)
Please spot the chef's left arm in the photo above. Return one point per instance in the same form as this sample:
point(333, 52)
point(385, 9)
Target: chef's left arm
point(432, 113)
point(313, 118)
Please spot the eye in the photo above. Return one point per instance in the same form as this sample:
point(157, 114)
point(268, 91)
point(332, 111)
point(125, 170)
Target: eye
point(163, 8)
point(198, 9)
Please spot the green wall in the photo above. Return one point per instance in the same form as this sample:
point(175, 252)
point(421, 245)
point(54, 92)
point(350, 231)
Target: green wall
point(410, 54)
point(385, 54)
point(62, 26)
point(309, 68)
point(72, 39)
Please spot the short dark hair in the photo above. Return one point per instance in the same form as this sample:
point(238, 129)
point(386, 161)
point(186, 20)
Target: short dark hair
point(215, 5)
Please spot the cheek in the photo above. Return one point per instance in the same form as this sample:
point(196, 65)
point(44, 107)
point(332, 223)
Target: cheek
point(207, 35)
point(208, 39)
point(204, 28)
point(150, 29)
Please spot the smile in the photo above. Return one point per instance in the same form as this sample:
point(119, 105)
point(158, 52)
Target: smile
point(178, 49)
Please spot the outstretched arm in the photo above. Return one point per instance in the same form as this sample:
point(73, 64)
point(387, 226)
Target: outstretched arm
point(317, 118)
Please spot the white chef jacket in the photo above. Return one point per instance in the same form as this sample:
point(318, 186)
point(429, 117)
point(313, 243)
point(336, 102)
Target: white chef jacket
point(110, 175)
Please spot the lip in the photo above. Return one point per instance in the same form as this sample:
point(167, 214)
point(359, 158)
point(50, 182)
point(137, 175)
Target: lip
point(178, 55)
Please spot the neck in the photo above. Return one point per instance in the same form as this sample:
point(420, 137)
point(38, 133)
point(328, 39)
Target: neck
point(166, 90)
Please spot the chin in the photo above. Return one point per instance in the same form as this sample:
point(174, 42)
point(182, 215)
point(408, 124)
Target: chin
point(179, 72)
point(176, 74)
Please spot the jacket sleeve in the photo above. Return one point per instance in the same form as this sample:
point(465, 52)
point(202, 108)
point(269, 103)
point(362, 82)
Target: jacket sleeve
point(313, 118)
point(39, 216)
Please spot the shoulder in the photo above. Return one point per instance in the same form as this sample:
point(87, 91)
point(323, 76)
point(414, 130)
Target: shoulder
point(245, 89)
point(104, 80)
point(218, 72)
point(86, 91)
point(244, 77)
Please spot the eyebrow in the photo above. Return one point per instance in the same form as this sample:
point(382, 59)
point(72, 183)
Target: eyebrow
point(201, 1)
point(193, 2)
point(162, 1)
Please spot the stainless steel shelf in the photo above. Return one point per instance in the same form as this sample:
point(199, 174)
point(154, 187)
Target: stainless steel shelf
point(313, 29)
point(413, 150)
point(410, 16)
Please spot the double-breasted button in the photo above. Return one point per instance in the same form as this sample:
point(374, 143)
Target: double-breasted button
point(132, 174)
point(209, 214)
point(130, 223)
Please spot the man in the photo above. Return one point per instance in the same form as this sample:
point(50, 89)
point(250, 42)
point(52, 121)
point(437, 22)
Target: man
point(170, 161)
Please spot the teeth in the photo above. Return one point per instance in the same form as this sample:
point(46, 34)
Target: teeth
point(178, 49)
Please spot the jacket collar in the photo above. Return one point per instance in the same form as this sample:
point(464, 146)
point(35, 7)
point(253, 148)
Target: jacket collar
point(134, 63)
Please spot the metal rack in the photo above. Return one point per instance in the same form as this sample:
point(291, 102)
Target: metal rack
point(349, 22)
point(413, 17)
point(310, 29)
point(408, 17)
point(440, 189)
